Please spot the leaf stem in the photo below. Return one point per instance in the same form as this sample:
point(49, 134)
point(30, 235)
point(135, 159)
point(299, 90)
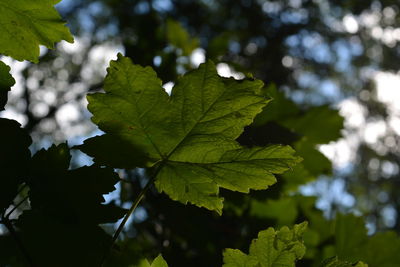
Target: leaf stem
point(7, 216)
point(131, 211)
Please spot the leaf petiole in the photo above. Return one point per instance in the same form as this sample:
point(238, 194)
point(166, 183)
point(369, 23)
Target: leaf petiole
point(15, 207)
point(131, 211)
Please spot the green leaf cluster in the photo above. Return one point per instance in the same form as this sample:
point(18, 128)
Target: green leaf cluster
point(303, 127)
point(194, 148)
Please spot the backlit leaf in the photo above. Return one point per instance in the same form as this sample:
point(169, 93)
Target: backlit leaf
point(189, 137)
point(25, 24)
point(272, 248)
point(158, 262)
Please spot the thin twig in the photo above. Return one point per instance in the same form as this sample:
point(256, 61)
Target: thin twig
point(130, 212)
point(17, 240)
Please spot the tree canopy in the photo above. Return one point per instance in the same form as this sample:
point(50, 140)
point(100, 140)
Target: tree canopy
point(162, 159)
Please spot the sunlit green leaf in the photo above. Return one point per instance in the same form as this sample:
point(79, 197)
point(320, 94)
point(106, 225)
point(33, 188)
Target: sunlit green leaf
point(25, 24)
point(190, 136)
point(272, 248)
point(236, 258)
point(158, 262)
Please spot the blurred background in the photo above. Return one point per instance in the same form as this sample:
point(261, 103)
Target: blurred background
point(331, 67)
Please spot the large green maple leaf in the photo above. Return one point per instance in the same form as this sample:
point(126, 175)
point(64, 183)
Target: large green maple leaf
point(188, 137)
point(271, 249)
point(26, 24)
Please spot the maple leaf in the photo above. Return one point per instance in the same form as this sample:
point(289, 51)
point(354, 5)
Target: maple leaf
point(158, 262)
point(25, 24)
point(271, 249)
point(189, 137)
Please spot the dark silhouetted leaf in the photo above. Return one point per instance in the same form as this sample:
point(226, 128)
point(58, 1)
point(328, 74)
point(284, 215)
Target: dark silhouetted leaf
point(73, 196)
point(52, 242)
point(6, 82)
point(14, 157)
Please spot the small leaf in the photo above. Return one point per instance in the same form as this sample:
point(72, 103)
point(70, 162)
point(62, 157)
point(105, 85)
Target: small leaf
point(236, 258)
point(180, 38)
point(271, 249)
point(335, 262)
point(27, 24)
point(190, 136)
point(6, 82)
point(307, 124)
point(158, 262)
